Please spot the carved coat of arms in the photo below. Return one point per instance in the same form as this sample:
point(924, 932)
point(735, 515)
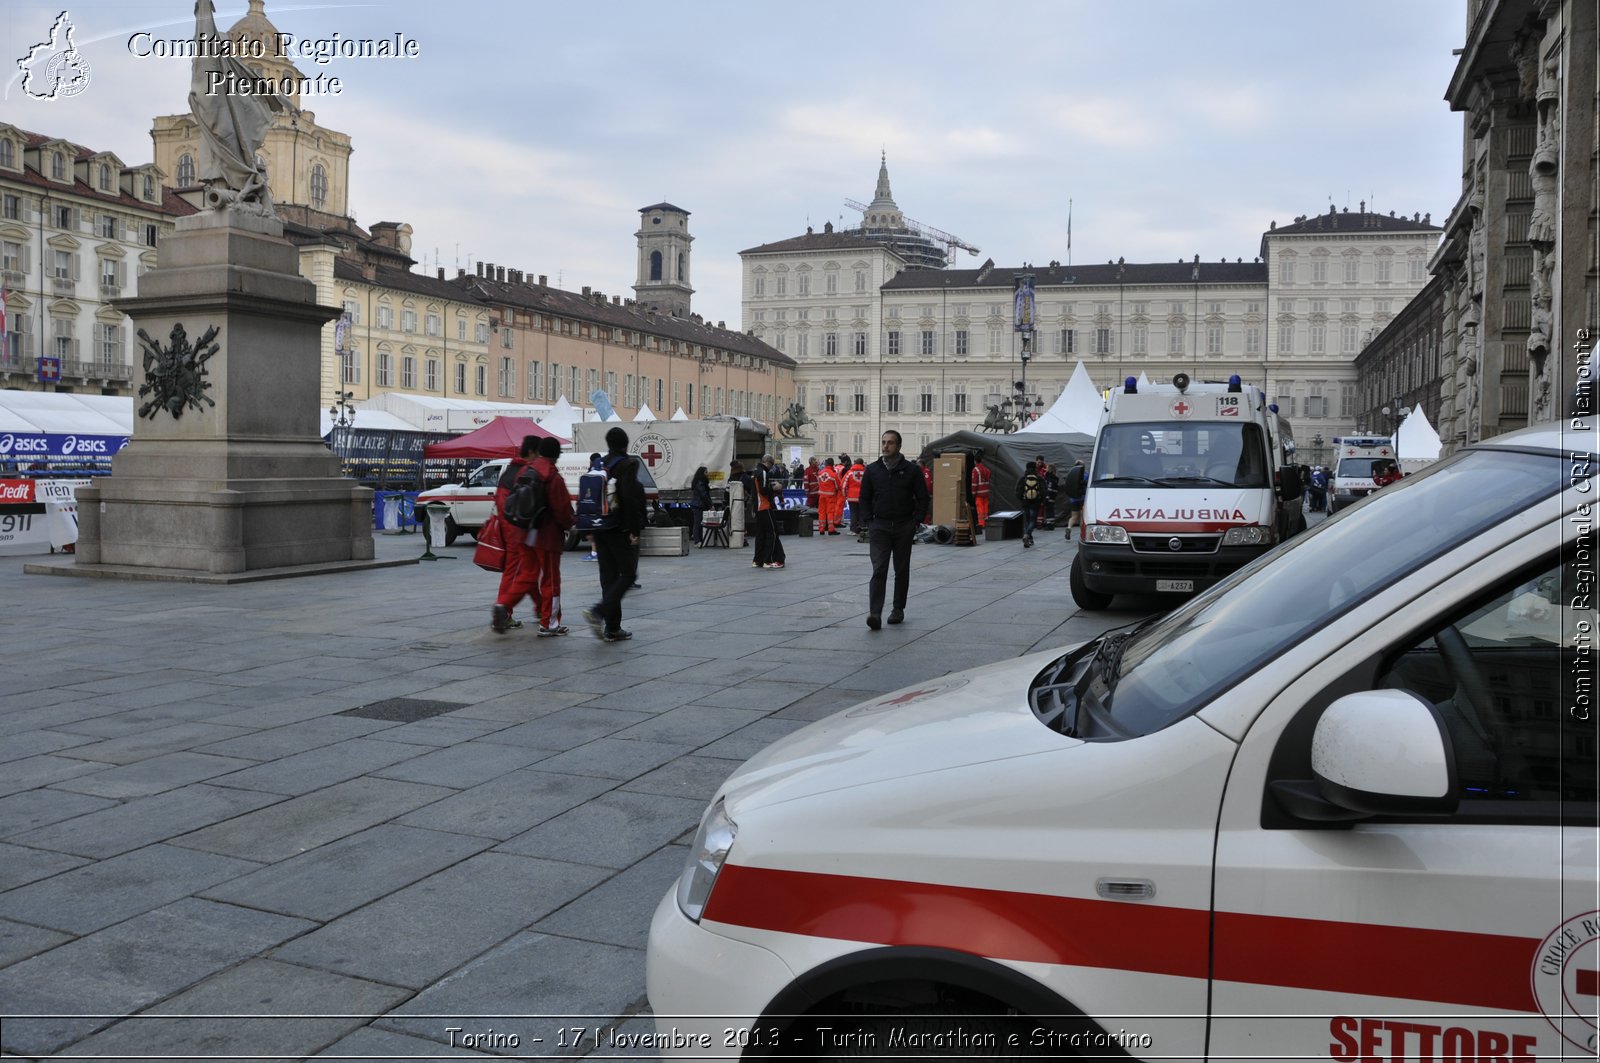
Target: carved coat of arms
point(175, 377)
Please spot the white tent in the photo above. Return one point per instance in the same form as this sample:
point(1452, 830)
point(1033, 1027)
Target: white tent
point(371, 420)
point(1416, 444)
point(644, 414)
point(679, 415)
point(1143, 380)
point(561, 418)
point(65, 413)
point(1076, 409)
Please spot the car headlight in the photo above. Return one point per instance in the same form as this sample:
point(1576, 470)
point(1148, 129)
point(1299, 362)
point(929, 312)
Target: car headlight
point(706, 856)
point(1107, 533)
point(1253, 535)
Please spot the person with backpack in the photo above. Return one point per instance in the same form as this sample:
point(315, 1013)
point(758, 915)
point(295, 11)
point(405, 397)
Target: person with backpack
point(1030, 496)
point(546, 540)
point(1076, 489)
point(616, 529)
point(500, 619)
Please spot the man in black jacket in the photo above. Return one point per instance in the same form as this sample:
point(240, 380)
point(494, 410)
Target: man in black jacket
point(894, 497)
point(618, 544)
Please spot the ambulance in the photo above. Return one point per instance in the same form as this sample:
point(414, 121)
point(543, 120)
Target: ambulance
point(1189, 481)
point(1341, 806)
point(1354, 458)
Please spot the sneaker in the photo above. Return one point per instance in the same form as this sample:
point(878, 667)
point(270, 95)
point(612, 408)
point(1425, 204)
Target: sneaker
point(776, 564)
point(618, 635)
point(513, 623)
point(1027, 541)
point(592, 618)
point(499, 618)
point(552, 632)
point(898, 616)
point(757, 564)
point(591, 557)
point(874, 621)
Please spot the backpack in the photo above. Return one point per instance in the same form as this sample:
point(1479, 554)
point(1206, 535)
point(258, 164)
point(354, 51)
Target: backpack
point(528, 503)
point(1030, 488)
point(1077, 482)
point(597, 493)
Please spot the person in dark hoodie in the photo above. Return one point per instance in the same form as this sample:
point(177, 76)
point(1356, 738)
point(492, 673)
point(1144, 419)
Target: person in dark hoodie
point(618, 545)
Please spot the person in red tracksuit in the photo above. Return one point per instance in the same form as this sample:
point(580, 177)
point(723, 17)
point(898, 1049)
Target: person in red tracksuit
point(548, 542)
point(808, 479)
point(500, 618)
point(980, 490)
point(830, 499)
point(852, 494)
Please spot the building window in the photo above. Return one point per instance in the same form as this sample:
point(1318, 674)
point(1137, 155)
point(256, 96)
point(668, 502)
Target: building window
point(1067, 342)
point(1213, 339)
point(461, 378)
point(858, 399)
point(830, 344)
point(1319, 271)
point(1382, 270)
point(408, 372)
point(352, 366)
point(1286, 337)
point(961, 342)
point(1252, 340)
point(481, 379)
point(894, 343)
point(11, 205)
point(891, 399)
point(508, 378)
point(927, 343)
point(13, 258)
point(1316, 405)
point(926, 398)
point(1347, 338)
point(959, 399)
point(1286, 271)
point(1352, 269)
point(109, 347)
point(185, 170)
point(58, 166)
point(319, 186)
point(352, 310)
point(108, 227)
point(1102, 341)
point(431, 325)
point(461, 328)
point(408, 321)
point(830, 401)
point(783, 285)
point(61, 217)
point(831, 282)
point(65, 267)
point(385, 316)
point(384, 370)
point(1175, 335)
point(1319, 339)
point(861, 280)
point(859, 344)
point(1347, 400)
point(1141, 339)
point(8, 154)
point(803, 284)
point(480, 332)
point(1419, 270)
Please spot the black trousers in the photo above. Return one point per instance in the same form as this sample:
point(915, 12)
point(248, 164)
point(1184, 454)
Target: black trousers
point(619, 568)
point(889, 541)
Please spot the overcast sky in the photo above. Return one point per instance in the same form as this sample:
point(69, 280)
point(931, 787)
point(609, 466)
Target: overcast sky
point(529, 134)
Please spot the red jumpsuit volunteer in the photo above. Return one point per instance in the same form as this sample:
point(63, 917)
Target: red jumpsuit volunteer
point(852, 492)
point(809, 480)
point(980, 491)
point(500, 615)
point(830, 499)
point(550, 541)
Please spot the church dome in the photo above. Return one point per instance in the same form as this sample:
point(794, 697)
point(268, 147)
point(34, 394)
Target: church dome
point(267, 43)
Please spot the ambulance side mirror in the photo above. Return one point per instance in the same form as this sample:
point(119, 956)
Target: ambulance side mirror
point(1290, 486)
point(1374, 753)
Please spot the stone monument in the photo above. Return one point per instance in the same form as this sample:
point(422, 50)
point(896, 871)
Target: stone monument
point(225, 476)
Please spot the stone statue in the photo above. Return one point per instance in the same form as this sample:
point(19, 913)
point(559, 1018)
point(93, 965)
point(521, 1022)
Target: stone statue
point(232, 125)
point(794, 420)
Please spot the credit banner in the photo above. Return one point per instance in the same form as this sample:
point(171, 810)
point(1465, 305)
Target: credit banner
point(21, 445)
point(16, 493)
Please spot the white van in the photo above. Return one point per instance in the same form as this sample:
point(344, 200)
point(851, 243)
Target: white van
point(1341, 806)
point(472, 500)
point(1354, 458)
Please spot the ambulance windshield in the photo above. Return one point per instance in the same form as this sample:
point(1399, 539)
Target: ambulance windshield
point(1182, 454)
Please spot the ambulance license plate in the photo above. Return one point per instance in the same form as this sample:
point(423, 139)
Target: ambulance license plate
point(1174, 586)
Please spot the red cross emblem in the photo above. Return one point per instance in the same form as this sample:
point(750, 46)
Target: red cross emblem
point(1588, 983)
point(651, 455)
point(1180, 408)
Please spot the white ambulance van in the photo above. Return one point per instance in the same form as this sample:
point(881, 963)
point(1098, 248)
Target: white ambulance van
point(1189, 482)
point(1354, 458)
point(1340, 806)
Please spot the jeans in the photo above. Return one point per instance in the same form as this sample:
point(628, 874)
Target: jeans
point(889, 541)
point(1030, 517)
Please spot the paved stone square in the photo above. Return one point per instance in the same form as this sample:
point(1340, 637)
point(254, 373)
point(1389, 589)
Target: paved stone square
point(212, 803)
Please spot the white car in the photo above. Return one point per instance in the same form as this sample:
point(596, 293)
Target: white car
point(472, 500)
point(1342, 805)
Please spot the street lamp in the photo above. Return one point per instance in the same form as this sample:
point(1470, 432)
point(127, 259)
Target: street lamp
point(1317, 443)
point(1196, 277)
point(344, 417)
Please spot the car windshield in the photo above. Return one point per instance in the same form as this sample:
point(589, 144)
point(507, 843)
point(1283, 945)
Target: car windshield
point(1171, 668)
point(486, 475)
point(1232, 453)
point(1358, 468)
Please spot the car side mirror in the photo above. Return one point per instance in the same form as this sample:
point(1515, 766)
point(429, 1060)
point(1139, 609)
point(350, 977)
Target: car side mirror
point(1290, 485)
point(1375, 753)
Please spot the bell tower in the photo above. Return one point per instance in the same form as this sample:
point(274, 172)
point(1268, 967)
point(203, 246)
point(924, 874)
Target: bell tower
point(663, 272)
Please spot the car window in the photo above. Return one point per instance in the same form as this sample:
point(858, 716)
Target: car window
point(1503, 676)
point(1178, 664)
point(486, 476)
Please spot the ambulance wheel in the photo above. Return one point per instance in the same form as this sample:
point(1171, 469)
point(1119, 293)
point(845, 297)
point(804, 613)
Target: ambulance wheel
point(1090, 600)
point(452, 531)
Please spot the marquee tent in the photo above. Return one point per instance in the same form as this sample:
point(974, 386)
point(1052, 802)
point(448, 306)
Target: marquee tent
point(500, 438)
point(1076, 409)
point(1416, 444)
point(645, 414)
point(1007, 454)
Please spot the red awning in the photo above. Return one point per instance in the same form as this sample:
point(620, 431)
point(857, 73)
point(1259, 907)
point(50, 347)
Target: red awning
point(500, 438)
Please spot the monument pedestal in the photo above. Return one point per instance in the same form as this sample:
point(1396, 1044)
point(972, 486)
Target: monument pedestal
point(225, 472)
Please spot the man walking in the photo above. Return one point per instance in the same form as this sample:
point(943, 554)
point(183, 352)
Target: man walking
point(1076, 489)
point(617, 544)
point(512, 586)
point(1030, 496)
point(548, 540)
point(893, 499)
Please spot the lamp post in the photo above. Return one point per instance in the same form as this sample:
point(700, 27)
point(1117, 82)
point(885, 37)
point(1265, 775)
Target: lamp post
point(1121, 317)
point(344, 416)
point(1317, 443)
point(1195, 275)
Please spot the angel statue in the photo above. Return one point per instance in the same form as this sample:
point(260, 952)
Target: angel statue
point(232, 125)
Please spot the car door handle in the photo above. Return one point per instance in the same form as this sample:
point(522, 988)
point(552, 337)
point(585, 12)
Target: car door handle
point(1125, 889)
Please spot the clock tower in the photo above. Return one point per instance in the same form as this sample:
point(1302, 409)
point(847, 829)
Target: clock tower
point(663, 271)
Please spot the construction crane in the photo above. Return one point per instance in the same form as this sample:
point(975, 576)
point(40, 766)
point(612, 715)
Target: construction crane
point(950, 241)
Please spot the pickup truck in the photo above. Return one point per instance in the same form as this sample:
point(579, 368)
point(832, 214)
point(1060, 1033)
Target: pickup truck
point(472, 501)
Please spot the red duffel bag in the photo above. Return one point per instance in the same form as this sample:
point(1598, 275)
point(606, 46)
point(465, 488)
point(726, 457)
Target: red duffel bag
point(491, 551)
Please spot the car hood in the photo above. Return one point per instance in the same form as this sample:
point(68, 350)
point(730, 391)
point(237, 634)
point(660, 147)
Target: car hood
point(965, 718)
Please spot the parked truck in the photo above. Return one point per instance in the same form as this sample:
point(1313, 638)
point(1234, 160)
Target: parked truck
point(1189, 482)
point(672, 450)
